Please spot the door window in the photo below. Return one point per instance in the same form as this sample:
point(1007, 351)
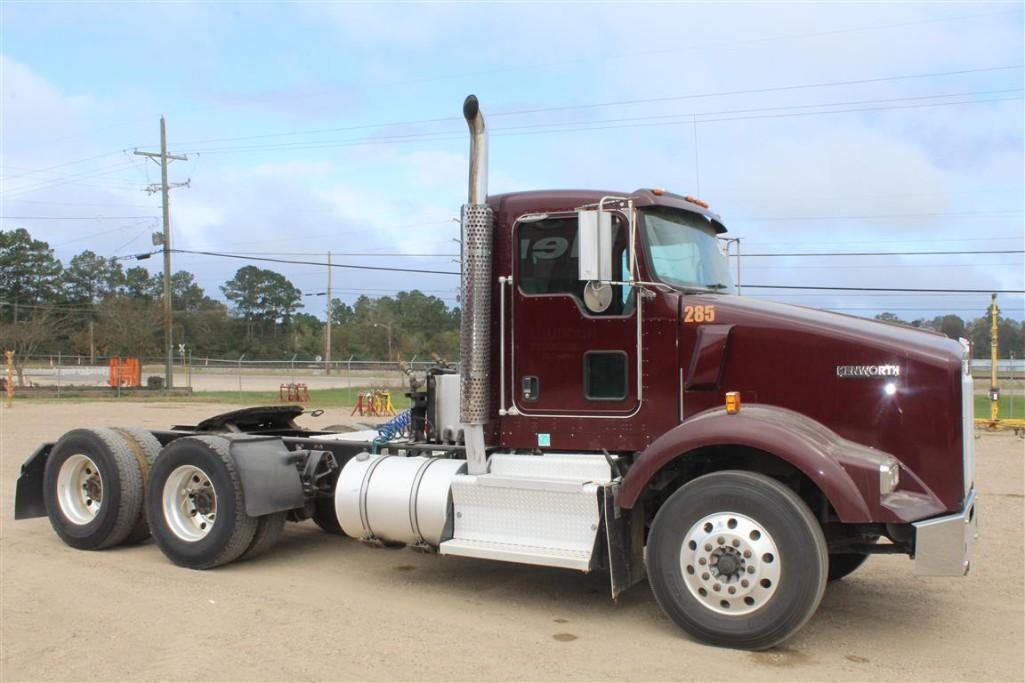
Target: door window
point(548, 262)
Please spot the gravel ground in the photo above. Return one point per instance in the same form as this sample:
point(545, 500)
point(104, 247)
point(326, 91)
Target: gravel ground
point(327, 608)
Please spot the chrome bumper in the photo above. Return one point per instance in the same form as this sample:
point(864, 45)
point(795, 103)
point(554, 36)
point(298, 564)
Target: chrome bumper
point(943, 545)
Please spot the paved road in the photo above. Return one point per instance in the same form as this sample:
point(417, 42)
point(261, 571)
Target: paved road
point(321, 607)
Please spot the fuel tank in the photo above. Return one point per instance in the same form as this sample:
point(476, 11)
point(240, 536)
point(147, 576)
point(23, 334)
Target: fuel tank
point(397, 499)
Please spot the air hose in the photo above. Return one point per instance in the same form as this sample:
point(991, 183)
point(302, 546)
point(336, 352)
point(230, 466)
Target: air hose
point(397, 426)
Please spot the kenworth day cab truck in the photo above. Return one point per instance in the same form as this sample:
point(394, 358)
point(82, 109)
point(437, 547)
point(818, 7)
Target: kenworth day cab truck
point(614, 408)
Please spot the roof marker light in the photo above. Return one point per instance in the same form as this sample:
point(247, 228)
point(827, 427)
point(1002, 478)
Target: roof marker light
point(732, 402)
point(694, 200)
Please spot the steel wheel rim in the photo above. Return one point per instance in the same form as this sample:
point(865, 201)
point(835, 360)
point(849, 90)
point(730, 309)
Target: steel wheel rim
point(189, 502)
point(730, 563)
point(79, 489)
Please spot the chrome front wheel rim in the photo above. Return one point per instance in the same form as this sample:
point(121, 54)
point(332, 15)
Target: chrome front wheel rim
point(730, 563)
point(189, 502)
point(79, 489)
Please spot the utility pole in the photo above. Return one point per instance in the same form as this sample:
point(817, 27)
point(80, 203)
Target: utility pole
point(327, 326)
point(165, 241)
point(994, 352)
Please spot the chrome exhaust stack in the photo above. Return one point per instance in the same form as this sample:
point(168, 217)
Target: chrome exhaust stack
point(478, 224)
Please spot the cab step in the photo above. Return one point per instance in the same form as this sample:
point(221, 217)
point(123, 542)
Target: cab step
point(533, 509)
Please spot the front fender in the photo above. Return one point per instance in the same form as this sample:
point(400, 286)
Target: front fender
point(845, 471)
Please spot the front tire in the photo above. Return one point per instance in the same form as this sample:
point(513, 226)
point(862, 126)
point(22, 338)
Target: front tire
point(195, 505)
point(737, 559)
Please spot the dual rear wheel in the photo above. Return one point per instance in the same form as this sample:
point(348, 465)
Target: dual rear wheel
point(107, 487)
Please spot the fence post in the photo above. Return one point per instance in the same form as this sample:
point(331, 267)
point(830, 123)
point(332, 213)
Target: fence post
point(9, 357)
point(58, 374)
point(293, 367)
point(240, 377)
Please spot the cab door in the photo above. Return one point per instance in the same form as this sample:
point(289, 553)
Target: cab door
point(573, 352)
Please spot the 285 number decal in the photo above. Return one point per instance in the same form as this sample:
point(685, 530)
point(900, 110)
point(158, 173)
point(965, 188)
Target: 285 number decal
point(698, 314)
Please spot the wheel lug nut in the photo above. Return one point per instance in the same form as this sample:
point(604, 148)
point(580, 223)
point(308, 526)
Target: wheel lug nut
point(708, 547)
point(750, 570)
point(720, 540)
point(747, 554)
point(732, 590)
point(705, 576)
point(744, 583)
point(702, 560)
point(716, 587)
point(736, 543)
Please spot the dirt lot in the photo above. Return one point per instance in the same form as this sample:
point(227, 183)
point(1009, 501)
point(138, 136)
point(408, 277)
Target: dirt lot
point(322, 607)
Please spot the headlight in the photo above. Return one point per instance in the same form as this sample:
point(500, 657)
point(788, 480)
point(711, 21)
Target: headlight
point(889, 476)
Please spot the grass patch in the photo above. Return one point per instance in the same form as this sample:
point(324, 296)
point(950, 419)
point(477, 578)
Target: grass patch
point(982, 407)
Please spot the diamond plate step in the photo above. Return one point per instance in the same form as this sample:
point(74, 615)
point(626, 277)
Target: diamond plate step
point(523, 554)
point(531, 509)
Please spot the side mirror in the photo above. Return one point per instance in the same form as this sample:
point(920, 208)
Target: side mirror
point(594, 245)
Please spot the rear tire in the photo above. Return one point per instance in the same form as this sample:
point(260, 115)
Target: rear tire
point(324, 514)
point(92, 487)
point(268, 531)
point(737, 559)
point(195, 505)
point(145, 448)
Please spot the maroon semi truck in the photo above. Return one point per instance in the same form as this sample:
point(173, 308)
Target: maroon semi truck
point(615, 408)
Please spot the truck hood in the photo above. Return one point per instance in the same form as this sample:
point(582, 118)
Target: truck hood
point(882, 336)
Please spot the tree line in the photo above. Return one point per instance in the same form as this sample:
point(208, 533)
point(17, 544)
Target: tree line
point(94, 305)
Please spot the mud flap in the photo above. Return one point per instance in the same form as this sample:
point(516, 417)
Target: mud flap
point(624, 535)
point(268, 474)
point(28, 497)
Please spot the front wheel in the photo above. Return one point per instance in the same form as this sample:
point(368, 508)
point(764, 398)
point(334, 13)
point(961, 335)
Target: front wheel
point(737, 559)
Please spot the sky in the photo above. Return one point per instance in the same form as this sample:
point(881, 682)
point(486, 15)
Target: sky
point(315, 127)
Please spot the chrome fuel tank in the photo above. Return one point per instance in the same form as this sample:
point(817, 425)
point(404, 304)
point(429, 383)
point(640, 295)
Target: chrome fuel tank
point(397, 499)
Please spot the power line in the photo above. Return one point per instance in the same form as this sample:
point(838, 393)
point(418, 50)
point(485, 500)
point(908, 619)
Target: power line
point(73, 218)
point(974, 214)
point(123, 206)
point(888, 253)
point(593, 125)
point(889, 289)
point(594, 105)
point(62, 165)
point(444, 272)
point(549, 128)
point(886, 266)
point(903, 241)
point(314, 263)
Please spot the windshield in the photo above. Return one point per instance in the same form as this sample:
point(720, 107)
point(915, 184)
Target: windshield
point(684, 250)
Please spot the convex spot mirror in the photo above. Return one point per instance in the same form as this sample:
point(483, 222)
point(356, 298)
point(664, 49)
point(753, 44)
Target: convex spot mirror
point(594, 245)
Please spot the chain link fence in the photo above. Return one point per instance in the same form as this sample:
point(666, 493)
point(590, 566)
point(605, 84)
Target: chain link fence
point(208, 374)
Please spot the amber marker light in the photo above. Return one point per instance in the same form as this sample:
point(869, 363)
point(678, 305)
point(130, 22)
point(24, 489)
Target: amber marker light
point(658, 191)
point(694, 200)
point(732, 402)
